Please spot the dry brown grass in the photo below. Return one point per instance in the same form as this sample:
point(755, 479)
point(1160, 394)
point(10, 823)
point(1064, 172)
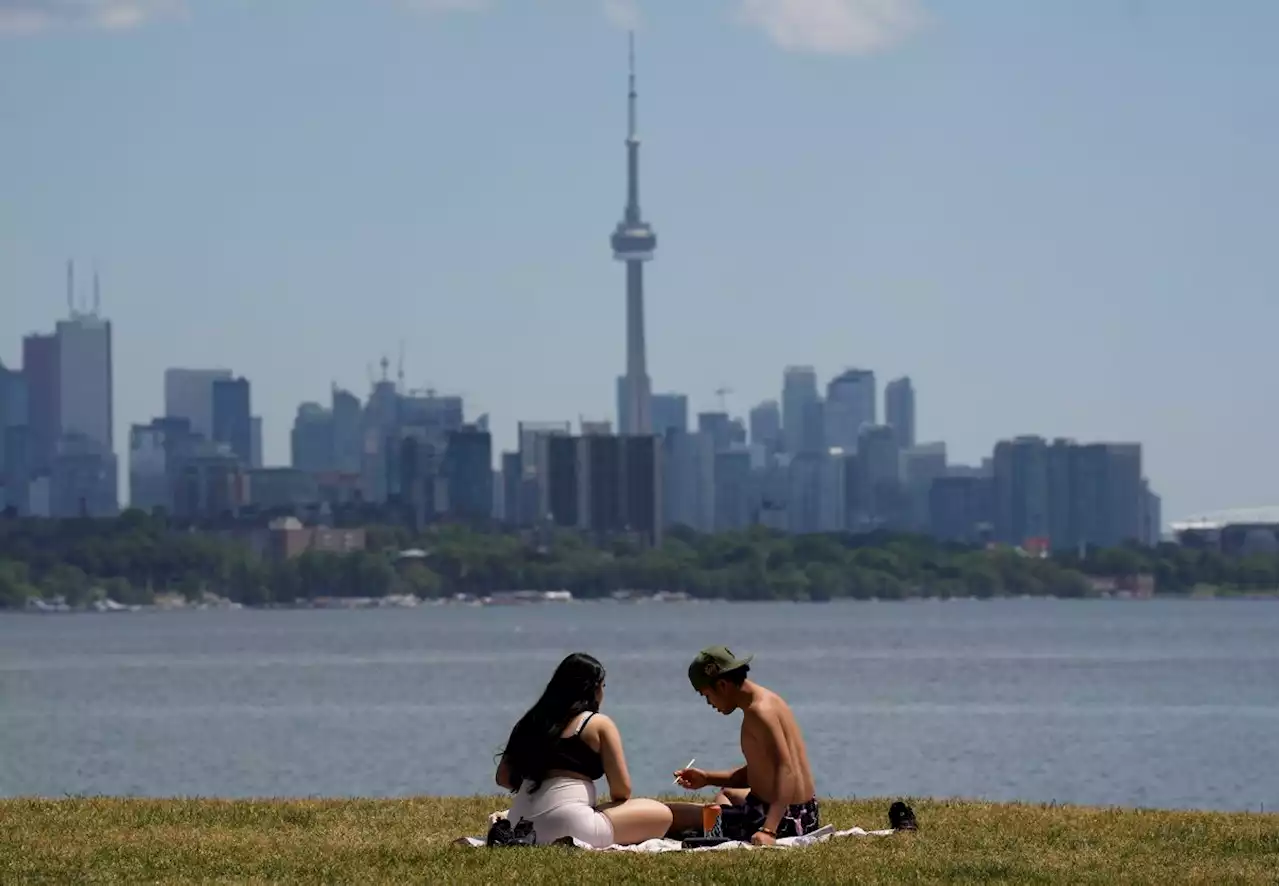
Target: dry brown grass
point(408, 841)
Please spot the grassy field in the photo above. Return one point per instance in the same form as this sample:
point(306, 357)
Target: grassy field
point(409, 841)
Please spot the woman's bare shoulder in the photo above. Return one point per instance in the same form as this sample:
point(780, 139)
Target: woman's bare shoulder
point(601, 721)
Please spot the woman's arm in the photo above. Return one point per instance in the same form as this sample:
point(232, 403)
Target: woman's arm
point(615, 762)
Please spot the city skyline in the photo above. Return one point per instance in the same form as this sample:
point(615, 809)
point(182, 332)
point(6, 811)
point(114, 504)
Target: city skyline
point(1107, 369)
point(838, 467)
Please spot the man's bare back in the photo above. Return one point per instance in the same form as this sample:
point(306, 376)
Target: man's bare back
point(765, 713)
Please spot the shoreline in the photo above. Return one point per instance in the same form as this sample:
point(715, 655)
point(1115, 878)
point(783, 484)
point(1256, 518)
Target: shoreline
point(510, 599)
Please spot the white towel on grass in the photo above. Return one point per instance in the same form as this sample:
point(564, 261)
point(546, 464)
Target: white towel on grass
point(659, 844)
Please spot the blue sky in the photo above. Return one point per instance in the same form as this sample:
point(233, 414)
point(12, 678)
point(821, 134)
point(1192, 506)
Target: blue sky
point(1057, 217)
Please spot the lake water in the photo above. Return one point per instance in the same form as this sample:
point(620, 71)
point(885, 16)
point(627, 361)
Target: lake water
point(1154, 703)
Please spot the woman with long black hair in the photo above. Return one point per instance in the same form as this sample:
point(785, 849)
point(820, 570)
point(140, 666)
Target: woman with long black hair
point(555, 754)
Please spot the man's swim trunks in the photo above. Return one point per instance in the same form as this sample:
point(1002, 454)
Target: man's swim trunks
point(740, 822)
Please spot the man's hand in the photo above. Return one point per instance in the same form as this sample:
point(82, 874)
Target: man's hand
point(691, 779)
point(760, 838)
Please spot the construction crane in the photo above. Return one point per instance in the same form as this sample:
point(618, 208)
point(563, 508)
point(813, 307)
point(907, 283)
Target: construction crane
point(720, 393)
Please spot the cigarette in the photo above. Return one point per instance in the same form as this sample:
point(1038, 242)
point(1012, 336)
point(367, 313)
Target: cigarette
point(686, 766)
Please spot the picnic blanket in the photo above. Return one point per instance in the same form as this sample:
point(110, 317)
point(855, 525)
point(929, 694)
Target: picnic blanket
point(821, 835)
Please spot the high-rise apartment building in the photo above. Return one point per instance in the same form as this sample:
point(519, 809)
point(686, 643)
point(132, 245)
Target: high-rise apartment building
point(799, 393)
point(922, 464)
point(1068, 494)
point(961, 508)
point(734, 499)
point(468, 472)
point(348, 428)
point(669, 412)
point(900, 411)
point(534, 493)
point(718, 427)
point(880, 479)
point(311, 440)
point(765, 422)
point(563, 470)
point(1020, 490)
point(681, 475)
point(850, 405)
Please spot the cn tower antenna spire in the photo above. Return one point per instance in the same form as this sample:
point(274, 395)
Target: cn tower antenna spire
point(631, 86)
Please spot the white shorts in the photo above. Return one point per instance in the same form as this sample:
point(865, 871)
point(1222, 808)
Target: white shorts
point(563, 807)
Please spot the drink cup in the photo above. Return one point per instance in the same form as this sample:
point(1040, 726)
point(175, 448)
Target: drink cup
point(710, 819)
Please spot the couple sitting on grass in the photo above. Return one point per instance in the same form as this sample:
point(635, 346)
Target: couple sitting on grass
point(563, 744)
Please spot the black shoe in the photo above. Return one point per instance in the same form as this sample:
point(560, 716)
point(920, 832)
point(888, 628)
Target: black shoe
point(902, 818)
point(501, 833)
point(524, 835)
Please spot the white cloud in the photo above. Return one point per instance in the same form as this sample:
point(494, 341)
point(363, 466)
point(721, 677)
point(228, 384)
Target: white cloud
point(443, 6)
point(853, 27)
point(823, 26)
point(623, 13)
point(30, 16)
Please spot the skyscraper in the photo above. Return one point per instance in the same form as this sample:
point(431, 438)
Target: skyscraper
point(311, 440)
point(765, 420)
point(799, 389)
point(232, 418)
point(633, 243)
point(255, 441)
point(13, 440)
point(84, 475)
point(850, 405)
point(468, 472)
point(188, 393)
point(669, 411)
point(44, 412)
point(84, 372)
point(1020, 490)
point(880, 466)
point(900, 411)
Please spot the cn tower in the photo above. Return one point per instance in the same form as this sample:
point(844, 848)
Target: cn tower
point(633, 243)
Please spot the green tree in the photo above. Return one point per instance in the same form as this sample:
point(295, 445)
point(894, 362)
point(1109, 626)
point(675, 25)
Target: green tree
point(418, 579)
point(15, 589)
point(68, 582)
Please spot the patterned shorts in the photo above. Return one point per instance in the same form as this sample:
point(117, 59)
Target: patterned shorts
point(740, 822)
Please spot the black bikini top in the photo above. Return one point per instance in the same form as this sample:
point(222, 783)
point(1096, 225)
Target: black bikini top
point(572, 754)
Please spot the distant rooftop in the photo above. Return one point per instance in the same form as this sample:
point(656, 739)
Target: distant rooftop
point(1219, 519)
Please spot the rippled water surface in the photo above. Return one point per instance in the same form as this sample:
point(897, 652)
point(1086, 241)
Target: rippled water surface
point(1164, 703)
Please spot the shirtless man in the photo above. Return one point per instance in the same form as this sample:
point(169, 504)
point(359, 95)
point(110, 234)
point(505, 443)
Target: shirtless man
point(773, 794)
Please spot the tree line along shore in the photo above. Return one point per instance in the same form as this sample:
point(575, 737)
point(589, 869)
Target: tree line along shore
point(132, 558)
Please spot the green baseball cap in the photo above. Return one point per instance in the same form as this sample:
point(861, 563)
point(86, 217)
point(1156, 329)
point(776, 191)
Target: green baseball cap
point(713, 661)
